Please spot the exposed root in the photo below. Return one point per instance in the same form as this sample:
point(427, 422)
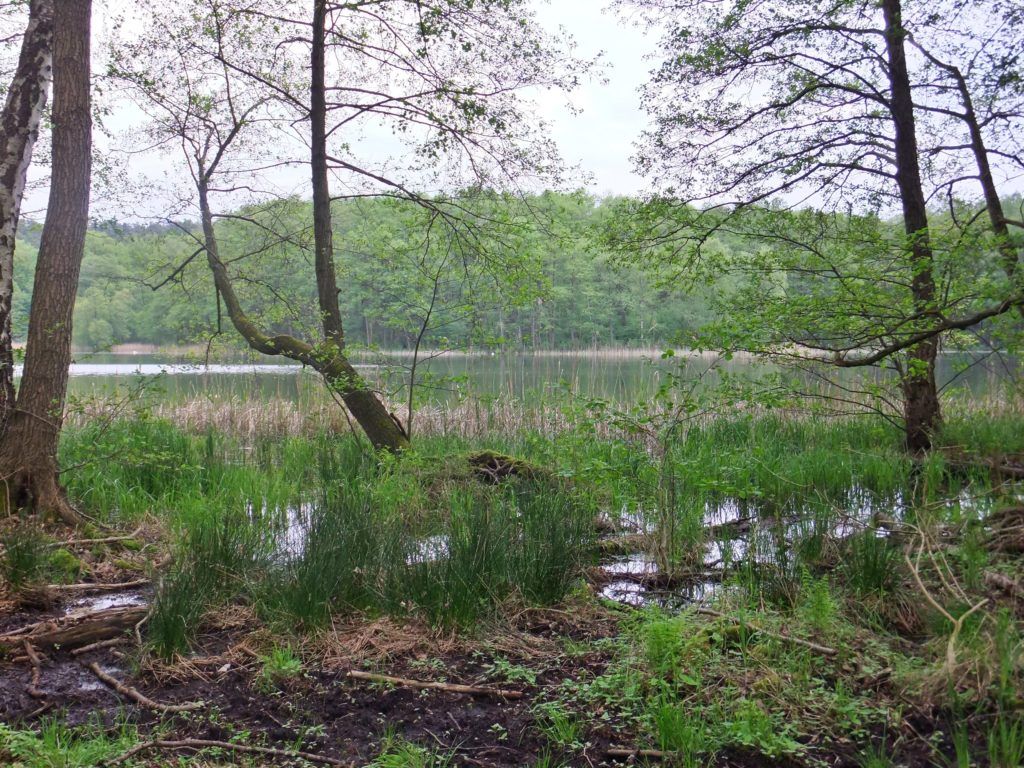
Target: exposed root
point(33, 657)
point(140, 698)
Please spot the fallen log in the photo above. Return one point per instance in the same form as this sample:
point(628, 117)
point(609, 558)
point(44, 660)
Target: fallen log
point(76, 628)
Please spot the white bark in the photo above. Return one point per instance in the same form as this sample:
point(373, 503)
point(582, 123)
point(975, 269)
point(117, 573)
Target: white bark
point(19, 129)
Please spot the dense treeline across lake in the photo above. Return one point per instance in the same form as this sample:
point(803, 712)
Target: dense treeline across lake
point(555, 286)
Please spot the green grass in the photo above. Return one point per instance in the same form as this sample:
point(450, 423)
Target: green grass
point(28, 557)
point(55, 745)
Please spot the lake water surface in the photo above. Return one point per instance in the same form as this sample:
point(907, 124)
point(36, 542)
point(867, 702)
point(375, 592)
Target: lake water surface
point(625, 377)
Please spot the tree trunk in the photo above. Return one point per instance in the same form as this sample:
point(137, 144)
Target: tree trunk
point(28, 454)
point(19, 129)
point(921, 409)
point(382, 427)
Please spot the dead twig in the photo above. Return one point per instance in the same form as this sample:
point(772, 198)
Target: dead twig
point(226, 745)
point(98, 646)
point(139, 698)
point(471, 690)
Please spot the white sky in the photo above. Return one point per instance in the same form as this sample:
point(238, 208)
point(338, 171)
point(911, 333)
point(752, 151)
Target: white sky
point(599, 139)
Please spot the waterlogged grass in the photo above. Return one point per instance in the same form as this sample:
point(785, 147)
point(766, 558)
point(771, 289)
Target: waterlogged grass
point(368, 537)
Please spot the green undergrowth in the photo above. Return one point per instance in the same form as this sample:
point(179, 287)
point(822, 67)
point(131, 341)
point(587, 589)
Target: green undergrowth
point(56, 745)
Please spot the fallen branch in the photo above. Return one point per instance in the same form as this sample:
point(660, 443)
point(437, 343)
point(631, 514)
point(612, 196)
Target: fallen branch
point(98, 587)
point(132, 693)
point(98, 645)
point(472, 690)
point(105, 540)
point(212, 744)
point(817, 648)
point(958, 623)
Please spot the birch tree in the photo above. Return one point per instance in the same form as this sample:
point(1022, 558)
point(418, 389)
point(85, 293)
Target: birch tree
point(19, 129)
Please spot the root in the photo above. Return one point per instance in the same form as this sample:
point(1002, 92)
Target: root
point(140, 698)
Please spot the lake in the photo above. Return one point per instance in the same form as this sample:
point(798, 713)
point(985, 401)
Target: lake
point(623, 376)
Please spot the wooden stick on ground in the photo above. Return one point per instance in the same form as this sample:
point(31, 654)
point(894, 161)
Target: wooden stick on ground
point(822, 649)
point(99, 646)
point(472, 690)
point(210, 743)
point(131, 693)
point(105, 540)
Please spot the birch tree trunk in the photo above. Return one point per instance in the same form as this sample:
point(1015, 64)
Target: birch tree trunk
point(28, 453)
point(19, 129)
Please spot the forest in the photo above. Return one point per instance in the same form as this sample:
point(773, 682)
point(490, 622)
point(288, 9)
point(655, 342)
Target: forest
point(424, 383)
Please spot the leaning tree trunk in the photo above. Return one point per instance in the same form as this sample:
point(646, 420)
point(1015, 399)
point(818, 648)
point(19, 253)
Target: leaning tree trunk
point(922, 414)
point(383, 429)
point(28, 453)
point(19, 128)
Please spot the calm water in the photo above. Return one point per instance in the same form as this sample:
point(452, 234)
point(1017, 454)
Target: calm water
point(446, 378)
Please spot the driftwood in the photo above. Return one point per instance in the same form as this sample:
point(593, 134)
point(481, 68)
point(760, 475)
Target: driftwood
point(472, 690)
point(140, 698)
point(76, 628)
point(225, 745)
point(824, 650)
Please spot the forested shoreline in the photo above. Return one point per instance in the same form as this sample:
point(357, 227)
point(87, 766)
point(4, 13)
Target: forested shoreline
point(565, 289)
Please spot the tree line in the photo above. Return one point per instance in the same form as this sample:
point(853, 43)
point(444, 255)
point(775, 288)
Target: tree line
point(563, 290)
